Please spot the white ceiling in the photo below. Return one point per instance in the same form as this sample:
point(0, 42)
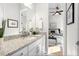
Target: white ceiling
point(52, 6)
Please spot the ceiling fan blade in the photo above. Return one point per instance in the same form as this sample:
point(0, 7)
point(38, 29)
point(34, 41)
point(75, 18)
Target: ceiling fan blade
point(52, 12)
point(61, 11)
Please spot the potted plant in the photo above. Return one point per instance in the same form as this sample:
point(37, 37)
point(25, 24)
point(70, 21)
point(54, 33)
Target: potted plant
point(34, 31)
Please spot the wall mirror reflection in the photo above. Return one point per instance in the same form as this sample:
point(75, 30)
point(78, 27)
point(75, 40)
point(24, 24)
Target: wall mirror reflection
point(30, 20)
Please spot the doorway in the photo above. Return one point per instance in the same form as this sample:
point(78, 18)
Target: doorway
point(56, 31)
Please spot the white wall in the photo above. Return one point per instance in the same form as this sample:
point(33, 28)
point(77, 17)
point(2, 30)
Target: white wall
point(42, 11)
point(72, 35)
point(11, 11)
point(30, 16)
point(1, 15)
point(56, 19)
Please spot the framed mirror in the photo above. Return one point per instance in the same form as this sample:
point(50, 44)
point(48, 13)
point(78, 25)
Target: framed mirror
point(26, 17)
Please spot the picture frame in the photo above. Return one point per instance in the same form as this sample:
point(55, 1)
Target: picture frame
point(11, 23)
point(70, 14)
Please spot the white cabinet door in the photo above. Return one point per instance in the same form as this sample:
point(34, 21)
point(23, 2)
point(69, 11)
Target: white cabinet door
point(25, 51)
point(18, 53)
point(22, 52)
point(43, 45)
point(40, 47)
point(37, 48)
point(34, 51)
point(34, 48)
point(34, 44)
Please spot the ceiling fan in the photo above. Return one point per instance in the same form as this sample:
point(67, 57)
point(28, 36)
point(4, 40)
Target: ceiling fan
point(57, 11)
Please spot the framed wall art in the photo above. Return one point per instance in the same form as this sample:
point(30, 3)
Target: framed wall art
point(70, 14)
point(11, 23)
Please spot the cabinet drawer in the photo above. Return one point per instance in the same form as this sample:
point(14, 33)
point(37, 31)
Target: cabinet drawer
point(34, 44)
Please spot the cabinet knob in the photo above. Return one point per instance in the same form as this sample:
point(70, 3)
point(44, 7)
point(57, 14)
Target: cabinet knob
point(21, 54)
point(77, 43)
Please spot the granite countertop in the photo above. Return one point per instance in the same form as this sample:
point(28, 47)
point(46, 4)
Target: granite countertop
point(11, 45)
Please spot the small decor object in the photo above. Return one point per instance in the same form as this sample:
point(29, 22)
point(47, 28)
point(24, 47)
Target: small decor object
point(34, 31)
point(70, 14)
point(11, 23)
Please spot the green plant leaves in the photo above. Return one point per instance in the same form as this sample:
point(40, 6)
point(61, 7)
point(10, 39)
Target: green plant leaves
point(2, 29)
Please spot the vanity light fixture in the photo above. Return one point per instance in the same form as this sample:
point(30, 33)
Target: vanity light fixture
point(29, 5)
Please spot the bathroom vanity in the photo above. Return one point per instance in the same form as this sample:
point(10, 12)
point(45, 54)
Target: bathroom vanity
point(24, 46)
point(30, 43)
